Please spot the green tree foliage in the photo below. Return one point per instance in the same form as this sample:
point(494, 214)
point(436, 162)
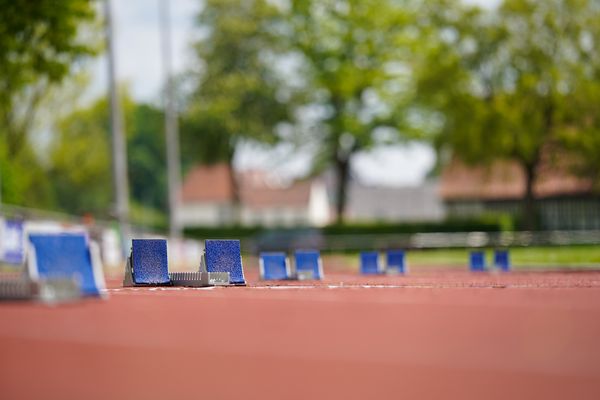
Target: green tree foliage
point(234, 96)
point(39, 44)
point(80, 164)
point(146, 157)
point(353, 59)
point(499, 81)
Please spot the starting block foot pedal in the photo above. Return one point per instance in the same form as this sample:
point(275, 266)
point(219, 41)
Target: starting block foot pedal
point(395, 262)
point(369, 263)
point(308, 264)
point(58, 261)
point(502, 260)
point(147, 265)
point(477, 261)
point(274, 266)
point(225, 256)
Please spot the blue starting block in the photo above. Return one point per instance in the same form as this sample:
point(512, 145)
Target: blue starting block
point(395, 262)
point(274, 266)
point(65, 256)
point(369, 263)
point(502, 260)
point(225, 256)
point(147, 263)
point(308, 264)
point(477, 261)
point(148, 266)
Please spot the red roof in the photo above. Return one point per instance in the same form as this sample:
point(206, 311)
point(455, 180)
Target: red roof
point(295, 196)
point(504, 180)
point(256, 188)
point(207, 183)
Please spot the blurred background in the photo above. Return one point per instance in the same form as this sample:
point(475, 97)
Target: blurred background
point(335, 124)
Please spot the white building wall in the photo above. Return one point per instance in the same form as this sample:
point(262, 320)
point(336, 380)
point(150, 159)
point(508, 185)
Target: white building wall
point(318, 207)
point(205, 214)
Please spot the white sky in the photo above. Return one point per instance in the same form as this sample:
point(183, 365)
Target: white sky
point(136, 24)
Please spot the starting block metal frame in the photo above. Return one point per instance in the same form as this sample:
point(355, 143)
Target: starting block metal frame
point(47, 291)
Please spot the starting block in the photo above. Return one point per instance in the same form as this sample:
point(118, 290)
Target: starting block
point(395, 262)
point(225, 256)
point(148, 266)
point(502, 260)
point(477, 261)
point(308, 264)
point(369, 263)
point(274, 266)
point(61, 260)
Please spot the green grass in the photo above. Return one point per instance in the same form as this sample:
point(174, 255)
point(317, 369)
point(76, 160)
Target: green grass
point(564, 256)
point(521, 257)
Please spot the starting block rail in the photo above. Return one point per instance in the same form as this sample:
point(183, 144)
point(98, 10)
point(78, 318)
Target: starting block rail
point(199, 279)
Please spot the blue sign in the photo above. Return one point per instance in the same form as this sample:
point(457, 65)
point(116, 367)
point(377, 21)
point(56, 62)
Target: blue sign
point(13, 242)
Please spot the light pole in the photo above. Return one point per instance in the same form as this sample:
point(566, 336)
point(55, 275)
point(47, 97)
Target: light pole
point(171, 125)
point(119, 146)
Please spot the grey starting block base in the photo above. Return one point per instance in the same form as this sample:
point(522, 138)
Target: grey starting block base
point(199, 279)
point(50, 291)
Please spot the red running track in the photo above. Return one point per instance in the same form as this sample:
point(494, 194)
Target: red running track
point(433, 334)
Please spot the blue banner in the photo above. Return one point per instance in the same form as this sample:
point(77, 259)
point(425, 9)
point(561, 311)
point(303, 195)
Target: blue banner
point(12, 242)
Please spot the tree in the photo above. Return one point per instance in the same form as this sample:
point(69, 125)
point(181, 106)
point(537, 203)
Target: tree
point(80, 165)
point(352, 62)
point(234, 96)
point(498, 81)
point(39, 44)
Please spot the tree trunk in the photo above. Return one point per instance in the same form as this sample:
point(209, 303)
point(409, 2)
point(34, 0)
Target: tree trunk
point(235, 195)
point(342, 167)
point(529, 202)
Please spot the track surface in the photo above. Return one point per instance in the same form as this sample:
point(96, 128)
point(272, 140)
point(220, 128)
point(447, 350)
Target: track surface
point(432, 334)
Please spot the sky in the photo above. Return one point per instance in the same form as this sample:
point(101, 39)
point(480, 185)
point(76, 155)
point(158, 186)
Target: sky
point(137, 44)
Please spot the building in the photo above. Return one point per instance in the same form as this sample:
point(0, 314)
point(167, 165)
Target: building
point(564, 200)
point(209, 199)
point(419, 203)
